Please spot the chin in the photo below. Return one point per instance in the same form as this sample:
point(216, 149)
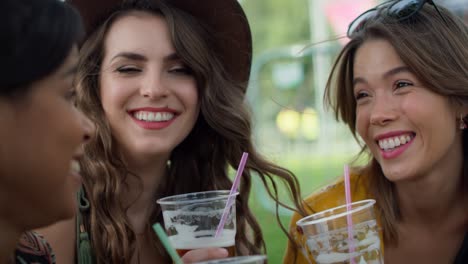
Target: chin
point(395, 176)
point(152, 148)
point(159, 150)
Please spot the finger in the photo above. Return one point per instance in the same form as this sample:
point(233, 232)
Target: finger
point(204, 254)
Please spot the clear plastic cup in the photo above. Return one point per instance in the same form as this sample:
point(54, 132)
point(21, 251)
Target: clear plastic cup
point(191, 220)
point(326, 235)
point(256, 259)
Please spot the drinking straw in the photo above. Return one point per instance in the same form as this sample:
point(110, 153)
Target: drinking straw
point(348, 208)
point(167, 244)
point(235, 186)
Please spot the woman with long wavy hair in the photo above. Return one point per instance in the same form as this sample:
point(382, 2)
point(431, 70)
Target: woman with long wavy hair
point(401, 86)
point(165, 83)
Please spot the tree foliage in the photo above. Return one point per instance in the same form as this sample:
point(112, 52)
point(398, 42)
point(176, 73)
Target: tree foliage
point(277, 23)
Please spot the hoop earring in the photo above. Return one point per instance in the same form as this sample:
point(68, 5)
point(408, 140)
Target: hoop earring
point(462, 125)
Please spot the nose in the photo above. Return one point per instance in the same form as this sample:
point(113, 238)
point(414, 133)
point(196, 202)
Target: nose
point(154, 86)
point(383, 111)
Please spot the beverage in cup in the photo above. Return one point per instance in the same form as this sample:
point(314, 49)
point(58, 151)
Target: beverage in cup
point(255, 259)
point(327, 233)
point(191, 220)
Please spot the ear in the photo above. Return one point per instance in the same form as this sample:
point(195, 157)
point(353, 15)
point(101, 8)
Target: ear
point(462, 111)
point(462, 117)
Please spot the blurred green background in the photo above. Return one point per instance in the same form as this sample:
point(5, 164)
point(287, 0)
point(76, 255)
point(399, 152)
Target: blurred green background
point(292, 127)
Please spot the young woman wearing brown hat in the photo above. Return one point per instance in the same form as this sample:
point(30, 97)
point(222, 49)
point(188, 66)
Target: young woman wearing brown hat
point(41, 129)
point(164, 82)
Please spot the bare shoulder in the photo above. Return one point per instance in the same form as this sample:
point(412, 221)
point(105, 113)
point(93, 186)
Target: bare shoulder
point(62, 238)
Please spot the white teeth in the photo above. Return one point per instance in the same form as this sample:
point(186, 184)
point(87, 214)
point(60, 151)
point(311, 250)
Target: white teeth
point(403, 140)
point(390, 143)
point(75, 166)
point(153, 117)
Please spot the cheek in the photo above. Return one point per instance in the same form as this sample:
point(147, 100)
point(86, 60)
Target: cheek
point(113, 94)
point(195, 103)
point(42, 163)
point(362, 123)
point(189, 93)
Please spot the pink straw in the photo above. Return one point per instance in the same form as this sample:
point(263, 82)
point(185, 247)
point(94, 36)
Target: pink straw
point(348, 208)
point(235, 186)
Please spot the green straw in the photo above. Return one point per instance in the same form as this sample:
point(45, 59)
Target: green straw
point(167, 244)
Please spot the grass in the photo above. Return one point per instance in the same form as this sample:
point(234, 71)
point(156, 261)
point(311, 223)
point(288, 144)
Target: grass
point(313, 173)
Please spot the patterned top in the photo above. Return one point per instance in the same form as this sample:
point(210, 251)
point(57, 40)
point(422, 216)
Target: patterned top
point(33, 249)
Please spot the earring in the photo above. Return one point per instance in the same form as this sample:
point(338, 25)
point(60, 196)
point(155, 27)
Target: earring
point(462, 125)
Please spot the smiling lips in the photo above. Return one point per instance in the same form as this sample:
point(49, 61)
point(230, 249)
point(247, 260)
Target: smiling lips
point(153, 118)
point(394, 144)
point(75, 171)
point(75, 167)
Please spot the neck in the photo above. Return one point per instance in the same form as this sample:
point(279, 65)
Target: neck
point(141, 191)
point(8, 240)
point(433, 199)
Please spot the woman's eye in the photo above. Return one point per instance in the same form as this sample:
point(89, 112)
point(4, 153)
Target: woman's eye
point(361, 95)
point(127, 69)
point(401, 84)
point(181, 70)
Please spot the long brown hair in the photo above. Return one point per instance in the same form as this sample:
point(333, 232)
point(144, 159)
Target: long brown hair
point(221, 134)
point(436, 53)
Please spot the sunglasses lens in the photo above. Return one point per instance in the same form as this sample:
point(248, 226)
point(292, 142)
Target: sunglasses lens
point(404, 9)
point(359, 22)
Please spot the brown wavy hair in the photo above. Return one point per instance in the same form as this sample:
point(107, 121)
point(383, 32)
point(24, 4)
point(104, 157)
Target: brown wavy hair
point(435, 51)
point(221, 134)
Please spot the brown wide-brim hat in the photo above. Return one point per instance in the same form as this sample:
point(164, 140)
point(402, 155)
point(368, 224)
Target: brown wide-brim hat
point(225, 18)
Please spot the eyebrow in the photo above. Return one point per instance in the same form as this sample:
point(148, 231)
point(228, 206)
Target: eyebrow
point(172, 57)
point(396, 71)
point(130, 56)
point(139, 57)
point(385, 75)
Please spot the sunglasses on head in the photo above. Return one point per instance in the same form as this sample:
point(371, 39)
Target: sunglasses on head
point(396, 9)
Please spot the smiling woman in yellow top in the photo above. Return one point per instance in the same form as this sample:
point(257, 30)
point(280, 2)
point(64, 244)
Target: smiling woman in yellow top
point(401, 86)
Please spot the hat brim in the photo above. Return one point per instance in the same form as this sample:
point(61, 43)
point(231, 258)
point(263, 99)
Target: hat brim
point(225, 18)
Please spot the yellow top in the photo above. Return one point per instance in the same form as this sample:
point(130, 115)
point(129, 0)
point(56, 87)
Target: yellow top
point(328, 197)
